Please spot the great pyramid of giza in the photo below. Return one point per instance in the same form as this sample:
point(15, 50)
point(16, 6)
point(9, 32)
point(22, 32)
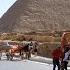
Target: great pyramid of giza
point(37, 15)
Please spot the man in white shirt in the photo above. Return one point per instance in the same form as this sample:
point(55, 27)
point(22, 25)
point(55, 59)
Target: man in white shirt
point(65, 59)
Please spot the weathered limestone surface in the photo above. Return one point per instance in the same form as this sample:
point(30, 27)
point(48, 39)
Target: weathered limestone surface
point(37, 15)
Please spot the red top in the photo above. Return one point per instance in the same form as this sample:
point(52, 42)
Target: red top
point(56, 54)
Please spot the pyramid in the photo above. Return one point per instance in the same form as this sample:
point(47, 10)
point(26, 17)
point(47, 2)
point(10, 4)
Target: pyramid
point(37, 15)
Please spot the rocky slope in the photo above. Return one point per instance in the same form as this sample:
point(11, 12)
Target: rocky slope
point(37, 15)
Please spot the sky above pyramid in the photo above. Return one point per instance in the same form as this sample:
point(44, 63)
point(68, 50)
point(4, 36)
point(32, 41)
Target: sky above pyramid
point(5, 5)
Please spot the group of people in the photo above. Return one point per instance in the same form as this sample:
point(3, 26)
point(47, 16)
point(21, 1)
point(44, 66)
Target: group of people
point(60, 58)
point(9, 55)
point(24, 51)
point(28, 49)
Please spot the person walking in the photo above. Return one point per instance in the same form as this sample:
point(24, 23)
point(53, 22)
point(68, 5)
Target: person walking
point(35, 51)
point(27, 52)
point(66, 58)
point(8, 55)
point(56, 54)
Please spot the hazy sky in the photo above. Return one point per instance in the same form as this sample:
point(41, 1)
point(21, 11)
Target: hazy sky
point(5, 5)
